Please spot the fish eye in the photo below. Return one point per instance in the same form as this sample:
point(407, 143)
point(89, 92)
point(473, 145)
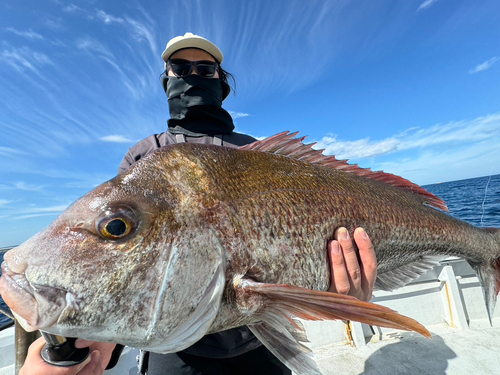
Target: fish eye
point(116, 223)
point(116, 228)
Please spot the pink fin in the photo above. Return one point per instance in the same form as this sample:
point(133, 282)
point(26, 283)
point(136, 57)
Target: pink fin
point(271, 299)
point(287, 145)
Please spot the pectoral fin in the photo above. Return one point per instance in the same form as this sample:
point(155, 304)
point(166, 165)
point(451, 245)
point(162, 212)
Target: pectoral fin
point(275, 305)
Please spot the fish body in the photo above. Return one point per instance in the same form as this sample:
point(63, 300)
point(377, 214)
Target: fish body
point(195, 239)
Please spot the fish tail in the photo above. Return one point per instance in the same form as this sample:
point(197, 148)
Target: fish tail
point(489, 274)
point(496, 266)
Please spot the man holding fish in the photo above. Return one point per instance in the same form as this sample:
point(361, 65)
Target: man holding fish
point(196, 85)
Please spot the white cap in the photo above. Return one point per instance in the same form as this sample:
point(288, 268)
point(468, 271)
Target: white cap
point(189, 40)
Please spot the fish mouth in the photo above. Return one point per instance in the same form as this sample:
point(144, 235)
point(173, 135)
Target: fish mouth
point(34, 306)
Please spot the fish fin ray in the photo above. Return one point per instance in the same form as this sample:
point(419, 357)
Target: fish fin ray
point(399, 277)
point(286, 144)
point(490, 287)
point(489, 275)
point(258, 298)
point(283, 339)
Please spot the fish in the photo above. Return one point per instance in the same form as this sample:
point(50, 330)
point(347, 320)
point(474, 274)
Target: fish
point(196, 239)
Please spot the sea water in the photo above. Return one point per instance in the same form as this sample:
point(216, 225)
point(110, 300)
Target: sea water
point(476, 200)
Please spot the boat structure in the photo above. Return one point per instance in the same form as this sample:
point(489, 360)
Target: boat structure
point(448, 300)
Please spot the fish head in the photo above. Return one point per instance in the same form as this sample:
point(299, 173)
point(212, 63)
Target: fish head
point(122, 264)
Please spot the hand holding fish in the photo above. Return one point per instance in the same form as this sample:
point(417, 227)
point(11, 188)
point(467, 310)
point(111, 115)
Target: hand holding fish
point(94, 365)
point(348, 274)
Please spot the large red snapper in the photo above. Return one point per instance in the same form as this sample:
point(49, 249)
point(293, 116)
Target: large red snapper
point(195, 239)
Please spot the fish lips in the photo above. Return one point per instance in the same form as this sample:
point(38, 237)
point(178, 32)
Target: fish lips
point(34, 306)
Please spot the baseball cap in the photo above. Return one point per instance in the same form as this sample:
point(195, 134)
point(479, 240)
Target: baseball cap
point(189, 40)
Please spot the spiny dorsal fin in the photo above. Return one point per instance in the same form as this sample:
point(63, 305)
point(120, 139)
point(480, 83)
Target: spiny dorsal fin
point(287, 145)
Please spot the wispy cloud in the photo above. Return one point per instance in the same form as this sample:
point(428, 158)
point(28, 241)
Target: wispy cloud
point(90, 45)
point(116, 139)
point(486, 65)
point(7, 151)
point(39, 212)
point(42, 210)
point(72, 8)
point(108, 18)
point(30, 212)
point(4, 202)
point(55, 24)
point(427, 155)
point(141, 31)
point(453, 133)
point(27, 34)
point(426, 4)
point(362, 148)
point(27, 187)
point(31, 216)
point(24, 58)
point(236, 115)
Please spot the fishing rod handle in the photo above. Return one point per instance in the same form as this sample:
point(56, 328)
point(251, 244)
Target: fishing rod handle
point(61, 351)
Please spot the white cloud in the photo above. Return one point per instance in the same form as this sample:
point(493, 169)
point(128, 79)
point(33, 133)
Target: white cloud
point(27, 34)
point(486, 65)
point(142, 32)
point(89, 44)
point(115, 139)
point(58, 208)
point(426, 155)
point(71, 8)
point(236, 115)
point(8, 151)
point(44, 210)
point(426, 4)
point(362, 148)
point(55, 24)
point(24, 58)
point(27, 187)
point(451, 134)
point(446, 164)
point(37, 215)
point(33, 212)
point(108, 18)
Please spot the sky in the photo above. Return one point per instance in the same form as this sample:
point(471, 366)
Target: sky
point(411, 87)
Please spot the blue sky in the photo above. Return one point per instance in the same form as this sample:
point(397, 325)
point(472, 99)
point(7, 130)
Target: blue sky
point(411, 87)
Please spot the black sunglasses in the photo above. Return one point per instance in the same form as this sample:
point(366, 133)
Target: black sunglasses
point(183, 68)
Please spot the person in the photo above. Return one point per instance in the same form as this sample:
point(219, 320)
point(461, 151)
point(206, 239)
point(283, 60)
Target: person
point(196, 85)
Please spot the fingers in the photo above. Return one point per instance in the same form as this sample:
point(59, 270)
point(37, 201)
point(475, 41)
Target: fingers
point(348, 275)
point(339, 278)
point(368, 260)
point(36, 346)
point(35, 365)
point(81, 343)
point(95, 366)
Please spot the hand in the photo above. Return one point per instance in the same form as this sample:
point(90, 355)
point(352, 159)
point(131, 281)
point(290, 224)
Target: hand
point(93, 365)
point(348, 276)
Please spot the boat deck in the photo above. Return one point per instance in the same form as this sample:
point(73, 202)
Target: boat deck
point(450, 351)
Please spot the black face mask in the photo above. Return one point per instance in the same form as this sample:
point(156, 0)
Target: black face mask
point(196, 106)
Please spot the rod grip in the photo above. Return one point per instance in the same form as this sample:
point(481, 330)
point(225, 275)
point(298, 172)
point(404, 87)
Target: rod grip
point(61, 351)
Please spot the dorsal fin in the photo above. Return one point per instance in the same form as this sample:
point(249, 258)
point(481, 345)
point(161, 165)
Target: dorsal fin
point(287, 145)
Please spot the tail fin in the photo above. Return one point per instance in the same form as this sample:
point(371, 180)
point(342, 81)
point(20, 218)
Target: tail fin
point(489, 275)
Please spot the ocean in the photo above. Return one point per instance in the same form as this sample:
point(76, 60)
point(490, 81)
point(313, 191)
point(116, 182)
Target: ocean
point(475, 200)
